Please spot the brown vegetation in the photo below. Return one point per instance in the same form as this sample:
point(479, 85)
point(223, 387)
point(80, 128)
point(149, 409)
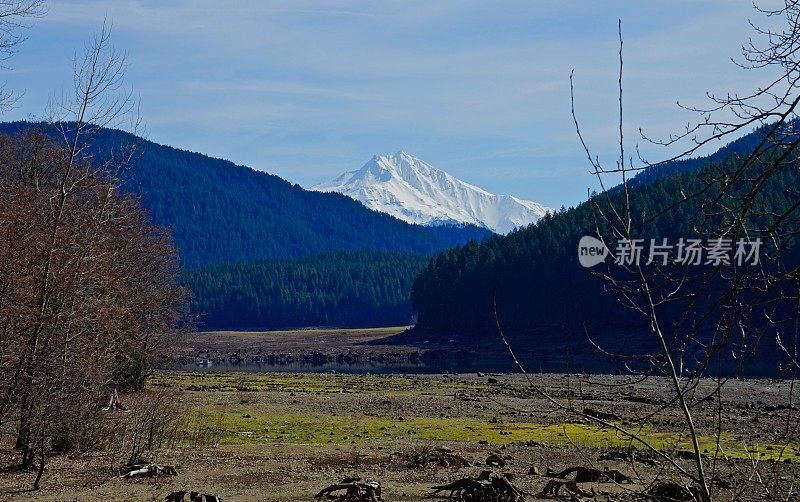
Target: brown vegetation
point(88, 285)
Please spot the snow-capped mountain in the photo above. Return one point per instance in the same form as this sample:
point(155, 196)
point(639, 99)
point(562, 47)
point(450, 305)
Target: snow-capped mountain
point(413, 190)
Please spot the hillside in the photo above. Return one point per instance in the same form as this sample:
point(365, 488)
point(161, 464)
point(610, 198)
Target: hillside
point(741, 146)
point(543, 292)
point(220, 212)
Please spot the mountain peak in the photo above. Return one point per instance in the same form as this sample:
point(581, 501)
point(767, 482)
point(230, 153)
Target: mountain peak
point(409, 188)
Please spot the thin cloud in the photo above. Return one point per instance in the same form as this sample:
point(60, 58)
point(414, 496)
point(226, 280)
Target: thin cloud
point(308, 92)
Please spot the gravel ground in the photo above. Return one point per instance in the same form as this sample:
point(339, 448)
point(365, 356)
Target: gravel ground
point(285, 437)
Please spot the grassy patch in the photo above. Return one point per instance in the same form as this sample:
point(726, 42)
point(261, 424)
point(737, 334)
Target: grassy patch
point(241, 426)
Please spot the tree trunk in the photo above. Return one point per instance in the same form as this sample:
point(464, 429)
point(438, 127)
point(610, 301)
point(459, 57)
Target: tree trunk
point(37, 481)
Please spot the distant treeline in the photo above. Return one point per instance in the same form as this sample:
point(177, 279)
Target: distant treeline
point(335, 289)
point(534, 273)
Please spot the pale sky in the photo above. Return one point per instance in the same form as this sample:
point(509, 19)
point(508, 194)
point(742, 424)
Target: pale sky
point(310, 89)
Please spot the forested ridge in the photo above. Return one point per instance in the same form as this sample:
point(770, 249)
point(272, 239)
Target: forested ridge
point(238, 231)
point(740, 147)
point(534, 273)
point(220, 212)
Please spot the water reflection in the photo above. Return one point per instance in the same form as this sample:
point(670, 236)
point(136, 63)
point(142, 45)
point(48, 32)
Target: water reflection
point(441, 363)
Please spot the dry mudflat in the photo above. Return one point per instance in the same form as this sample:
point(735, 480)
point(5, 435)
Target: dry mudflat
point(285, 436)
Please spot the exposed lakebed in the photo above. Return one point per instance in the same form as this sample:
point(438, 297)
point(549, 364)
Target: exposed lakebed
point(394, 350)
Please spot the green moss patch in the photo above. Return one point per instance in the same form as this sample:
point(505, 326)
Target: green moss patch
point(306, 382)
point(241, 426)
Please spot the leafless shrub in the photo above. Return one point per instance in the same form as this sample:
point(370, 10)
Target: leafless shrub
point(244, 391)
point(204, 429)
point(419, 455)
point(88, 285)
point(153, 423)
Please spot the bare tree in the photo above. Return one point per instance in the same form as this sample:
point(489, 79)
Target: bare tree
point(91, 284)
point(702, 318)
point(13, 15)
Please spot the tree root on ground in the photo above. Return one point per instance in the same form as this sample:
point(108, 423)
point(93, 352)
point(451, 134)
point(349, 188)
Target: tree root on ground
point(146, 470)
point(553, 489)
point(496, 489)
point(590, 475)
point(180, 496)
point(354, 491)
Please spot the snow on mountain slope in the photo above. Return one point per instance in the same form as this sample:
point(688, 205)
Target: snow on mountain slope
point(415, 191)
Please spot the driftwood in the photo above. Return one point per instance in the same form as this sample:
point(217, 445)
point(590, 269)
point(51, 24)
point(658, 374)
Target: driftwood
point(353, 491)
point(590, 475)
point(458, 488)
point(553, 489)
point(180, 496)
point(582, 475)
point(496, 489)
point(147, 470)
